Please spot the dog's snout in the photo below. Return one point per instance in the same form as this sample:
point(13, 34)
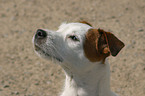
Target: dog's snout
point(41, 34)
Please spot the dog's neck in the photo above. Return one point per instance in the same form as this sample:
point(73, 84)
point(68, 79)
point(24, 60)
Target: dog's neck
point(94, 82)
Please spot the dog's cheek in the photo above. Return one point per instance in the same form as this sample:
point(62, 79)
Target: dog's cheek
point(72, 44)
point(91, 46)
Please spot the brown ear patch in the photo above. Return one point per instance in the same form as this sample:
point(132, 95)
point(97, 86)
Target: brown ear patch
point(99, 44)
point(84, 22)
point(94, 50)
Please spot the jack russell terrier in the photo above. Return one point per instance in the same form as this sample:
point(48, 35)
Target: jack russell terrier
point(81, 51)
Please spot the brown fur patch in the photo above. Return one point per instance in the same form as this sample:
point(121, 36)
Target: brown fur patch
point(84, 22)
point(99, 44)
point(94, 49)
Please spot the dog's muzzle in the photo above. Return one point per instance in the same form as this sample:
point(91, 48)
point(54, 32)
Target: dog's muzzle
point(40, 38)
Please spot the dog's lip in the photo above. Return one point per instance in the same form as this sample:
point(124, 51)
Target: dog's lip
point(37, 48)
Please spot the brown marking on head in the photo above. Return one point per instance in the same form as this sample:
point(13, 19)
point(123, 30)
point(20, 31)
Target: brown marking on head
point(84, 22)
point(100, 44)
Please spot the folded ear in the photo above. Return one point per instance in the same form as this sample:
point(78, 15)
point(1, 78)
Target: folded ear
point(114, 44)
point(99, 44)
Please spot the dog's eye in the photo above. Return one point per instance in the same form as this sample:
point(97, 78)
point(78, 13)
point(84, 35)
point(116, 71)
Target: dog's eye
point(74, 38)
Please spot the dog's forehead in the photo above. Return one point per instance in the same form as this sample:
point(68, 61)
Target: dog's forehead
point(70, 28)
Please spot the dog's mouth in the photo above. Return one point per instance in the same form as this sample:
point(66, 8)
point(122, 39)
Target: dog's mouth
point(38, 49)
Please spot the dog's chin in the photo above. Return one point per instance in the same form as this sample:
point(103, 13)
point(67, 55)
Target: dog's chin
point(45, 55)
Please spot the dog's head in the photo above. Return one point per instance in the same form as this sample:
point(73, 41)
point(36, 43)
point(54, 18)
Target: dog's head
point(76, 44)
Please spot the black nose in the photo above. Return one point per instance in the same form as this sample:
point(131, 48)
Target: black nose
point(41, 34)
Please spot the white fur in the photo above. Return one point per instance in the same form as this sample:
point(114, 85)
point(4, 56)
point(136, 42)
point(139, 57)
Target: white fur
point(83, 78)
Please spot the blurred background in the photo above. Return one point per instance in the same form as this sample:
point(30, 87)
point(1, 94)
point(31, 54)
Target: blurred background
point(23, 73)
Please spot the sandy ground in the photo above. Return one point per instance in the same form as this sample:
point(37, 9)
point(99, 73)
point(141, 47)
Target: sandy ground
point(23, 73)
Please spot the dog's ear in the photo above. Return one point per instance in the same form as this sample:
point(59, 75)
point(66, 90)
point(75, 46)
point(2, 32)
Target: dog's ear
point(100, 44)
point(109, 43)
point(84, 22)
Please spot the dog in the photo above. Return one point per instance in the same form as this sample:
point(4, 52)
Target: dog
point(82, 52)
